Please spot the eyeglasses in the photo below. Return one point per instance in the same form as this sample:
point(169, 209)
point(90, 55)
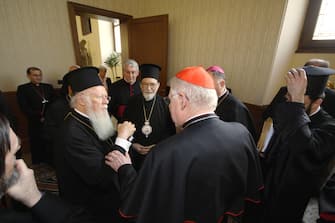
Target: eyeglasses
point(101, 97)
point(167, 99)
point(150, 85)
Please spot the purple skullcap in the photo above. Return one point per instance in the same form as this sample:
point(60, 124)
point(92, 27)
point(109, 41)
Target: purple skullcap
point(215, 69)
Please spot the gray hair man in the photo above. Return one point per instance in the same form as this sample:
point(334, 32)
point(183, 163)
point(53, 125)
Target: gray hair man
point(202, 174)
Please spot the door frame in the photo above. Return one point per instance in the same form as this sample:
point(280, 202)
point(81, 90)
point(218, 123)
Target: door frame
point(92, 12)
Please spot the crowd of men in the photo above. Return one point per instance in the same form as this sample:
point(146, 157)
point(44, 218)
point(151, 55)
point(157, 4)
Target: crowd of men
point(188, 157)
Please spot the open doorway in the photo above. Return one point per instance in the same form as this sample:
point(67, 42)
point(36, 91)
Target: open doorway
point(99, 35)
point(142, 39)
point(100, 44)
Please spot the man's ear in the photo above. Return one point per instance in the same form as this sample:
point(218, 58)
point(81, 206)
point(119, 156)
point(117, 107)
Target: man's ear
point(317, 102)
point(222, 83)
point(184, 100)
point(69, 91)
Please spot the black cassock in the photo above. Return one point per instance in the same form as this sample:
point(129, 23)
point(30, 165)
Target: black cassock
point(328, 103)
point(230, 109)
point(160, 121)
point(54, 119)
point(202, 174)
point(296, 161)
point(84, 178)
point(120, 93)
point(49, 209)
point(33, 101)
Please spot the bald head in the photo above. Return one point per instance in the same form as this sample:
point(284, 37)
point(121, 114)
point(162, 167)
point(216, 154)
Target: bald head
point(317, 63)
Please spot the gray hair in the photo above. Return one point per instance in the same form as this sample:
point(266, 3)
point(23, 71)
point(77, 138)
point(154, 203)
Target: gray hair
point(132, 63)
point(197, 96)
point(74, 100)
point(80, 95)
point(103, 67)
point(217, 75)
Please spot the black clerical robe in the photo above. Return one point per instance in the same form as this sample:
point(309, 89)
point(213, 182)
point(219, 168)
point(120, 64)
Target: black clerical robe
point(296, 160)
point(55, 116)
point(328, 103)
point(120, 93)
point(202, 174)
point(54, 119)
point(230, 109)
point(49, 209)
point(327, 200)
point(160, 121)
point(6, 111)
point(84, 178)
point(34, 101)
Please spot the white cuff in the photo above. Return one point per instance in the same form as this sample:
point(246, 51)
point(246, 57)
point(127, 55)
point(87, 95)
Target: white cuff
point(125, 144)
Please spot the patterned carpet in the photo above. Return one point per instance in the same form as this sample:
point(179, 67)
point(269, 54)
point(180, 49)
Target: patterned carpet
point(46, 178)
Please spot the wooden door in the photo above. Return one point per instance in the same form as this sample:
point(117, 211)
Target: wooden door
point(148, 43)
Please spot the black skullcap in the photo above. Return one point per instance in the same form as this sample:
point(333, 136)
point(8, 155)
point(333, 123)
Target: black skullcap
point(83, 78)
point(150, 70)
point(317, 78)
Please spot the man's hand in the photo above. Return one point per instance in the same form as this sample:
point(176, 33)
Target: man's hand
point(125, 130)
point(296, 81)
point(25, 190)
point(115, 159)
point(143, 150)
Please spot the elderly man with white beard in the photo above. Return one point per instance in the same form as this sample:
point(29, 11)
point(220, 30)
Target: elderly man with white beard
point(150, 114)
point(84, 179)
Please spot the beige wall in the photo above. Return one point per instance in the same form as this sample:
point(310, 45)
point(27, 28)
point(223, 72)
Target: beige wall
point(92, 41)
point(286, 57)
point(33, 33)
point(245, 37)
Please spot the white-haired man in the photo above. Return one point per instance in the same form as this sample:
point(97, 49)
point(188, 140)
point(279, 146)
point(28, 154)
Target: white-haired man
point(153, 123)
point(84, 179)
point(202, 174)
point(123, 89)
point(106, 81)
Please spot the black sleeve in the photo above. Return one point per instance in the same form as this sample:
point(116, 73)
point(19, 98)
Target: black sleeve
point(5, 110)
point(51, 209)
point(23, 102)
point(127, 176)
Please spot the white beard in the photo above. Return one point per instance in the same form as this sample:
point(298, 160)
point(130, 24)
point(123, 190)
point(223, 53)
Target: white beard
point(6, 183)
point(102, 124)
point(148, 96)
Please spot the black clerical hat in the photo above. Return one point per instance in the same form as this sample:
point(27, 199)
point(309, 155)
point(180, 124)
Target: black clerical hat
point(83, 78)
point(150, 70)
point(317, 78)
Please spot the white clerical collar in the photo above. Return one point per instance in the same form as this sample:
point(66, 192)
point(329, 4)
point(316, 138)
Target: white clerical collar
point(81, 113)
point(317, 110)
point(224, 92)
point(205, 113)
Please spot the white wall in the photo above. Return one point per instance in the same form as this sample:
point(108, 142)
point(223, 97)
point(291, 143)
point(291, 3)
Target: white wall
point(34, 33)
point(251, 39)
